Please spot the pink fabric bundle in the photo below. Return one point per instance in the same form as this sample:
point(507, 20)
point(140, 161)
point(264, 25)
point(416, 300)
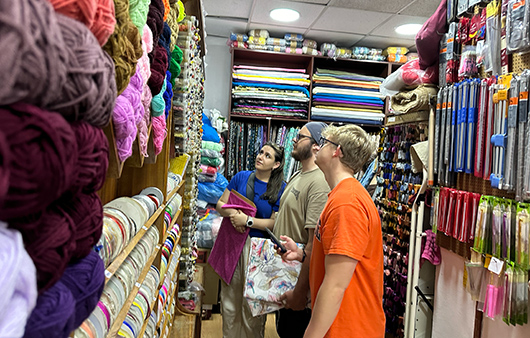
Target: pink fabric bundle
point(159, 132)
point(97, 15)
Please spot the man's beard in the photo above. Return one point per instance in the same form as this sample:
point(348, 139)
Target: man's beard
point(302, 153)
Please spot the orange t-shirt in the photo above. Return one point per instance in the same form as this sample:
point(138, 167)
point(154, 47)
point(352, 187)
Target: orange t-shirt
point(349, 225)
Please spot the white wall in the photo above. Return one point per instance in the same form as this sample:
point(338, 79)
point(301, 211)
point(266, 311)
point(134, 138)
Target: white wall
point(217, 84)
point(454, 311)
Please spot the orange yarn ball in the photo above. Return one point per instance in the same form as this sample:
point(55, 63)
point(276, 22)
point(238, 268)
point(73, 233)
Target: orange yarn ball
point(97, 15)
point(167, 8)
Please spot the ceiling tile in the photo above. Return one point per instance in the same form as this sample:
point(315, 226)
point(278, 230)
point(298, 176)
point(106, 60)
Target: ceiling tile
point(322, 2)
point(308, 12)
point(337, 38)
point(421, 8)
point(384, 42)
point(383, 6)
point(349, 20)
point(387, 29)
point(276, 31)
point(236, 8)
point(223, 27)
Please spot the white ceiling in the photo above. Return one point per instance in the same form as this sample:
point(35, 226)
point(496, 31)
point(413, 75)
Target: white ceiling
point(346, 23)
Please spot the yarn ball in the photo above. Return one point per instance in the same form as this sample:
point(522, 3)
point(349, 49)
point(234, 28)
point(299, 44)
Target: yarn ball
point(5, 161)
point(174, 64)
point(90, 89)
point(147, 37)
point(54, 314)
point(158, 105)
point(124, 127)
point(49, 237)
point(155, 18)
point(43, 158)
point(165, 39)
point(124, 46)
point(159, 132)
point(147, 98)
point(158, 70)
point(143, 138)
point(18, 283)
point(182, 11)
point(93, 159)
point(85, 280)
point(168, 94)
point(34, 54)
point(86, 213)
point(173, 24)
point(97, 15)
point(167, 9)
point(138, 10)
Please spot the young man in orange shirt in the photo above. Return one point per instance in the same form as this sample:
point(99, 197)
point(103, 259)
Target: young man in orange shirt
point(346, 269)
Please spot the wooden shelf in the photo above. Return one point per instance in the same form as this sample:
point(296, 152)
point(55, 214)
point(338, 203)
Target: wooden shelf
point(115, 165)
point(136, 160)
point(114, 266)
point(174, 191)
point(394, 120)
point(113, 332)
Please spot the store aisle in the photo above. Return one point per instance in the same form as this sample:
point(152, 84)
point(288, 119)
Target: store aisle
point(212, 328)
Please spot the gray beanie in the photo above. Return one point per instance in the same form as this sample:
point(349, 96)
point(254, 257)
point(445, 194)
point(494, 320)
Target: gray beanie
point(315, 128)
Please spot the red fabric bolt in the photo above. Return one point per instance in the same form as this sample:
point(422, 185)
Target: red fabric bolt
point(49, 238)
point(43, 158)
point(93, 160)
point(158, 70)
point(86, 212)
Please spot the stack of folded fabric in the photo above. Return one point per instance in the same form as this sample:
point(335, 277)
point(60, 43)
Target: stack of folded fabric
point(268, 91)
point(347, 97)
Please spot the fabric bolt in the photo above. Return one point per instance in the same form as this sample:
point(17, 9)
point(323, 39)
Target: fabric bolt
point(97, 15)
point(43, 158)
point(18, 282)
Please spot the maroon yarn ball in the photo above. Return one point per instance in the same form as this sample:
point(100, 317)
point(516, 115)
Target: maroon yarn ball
point(93, 160)
point(86, 213)
point(155, 19)
point(5, 156)
point(43, 158)
point(49, 239)
point(158, 70)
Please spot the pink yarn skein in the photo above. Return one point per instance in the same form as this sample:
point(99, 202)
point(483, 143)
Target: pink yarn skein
point(159, 132)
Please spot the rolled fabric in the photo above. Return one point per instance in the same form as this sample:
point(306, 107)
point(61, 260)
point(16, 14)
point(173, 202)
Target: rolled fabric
point(85, 280)
point(93, 159)
point(5, 161)
point(97, 15)
point(86, 212)
point(18, 281)
point(49, 238)
point(43, 158)
point(54, 314)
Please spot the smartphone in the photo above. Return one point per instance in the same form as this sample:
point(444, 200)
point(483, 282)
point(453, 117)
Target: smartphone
point(276, 241)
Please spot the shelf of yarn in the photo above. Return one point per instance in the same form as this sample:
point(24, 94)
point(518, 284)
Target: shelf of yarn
point(137, 159)
point(115, 165)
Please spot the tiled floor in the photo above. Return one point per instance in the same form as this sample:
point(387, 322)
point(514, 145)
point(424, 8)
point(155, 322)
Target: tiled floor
point(213, 327)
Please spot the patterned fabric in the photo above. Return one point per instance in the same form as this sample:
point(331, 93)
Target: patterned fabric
point(268, 277)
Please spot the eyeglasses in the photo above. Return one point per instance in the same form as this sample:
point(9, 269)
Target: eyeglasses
point(323, 141)
point(300, 137)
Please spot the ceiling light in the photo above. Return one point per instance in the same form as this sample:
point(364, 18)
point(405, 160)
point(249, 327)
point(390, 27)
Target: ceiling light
point(408, 29)
point(284, 15)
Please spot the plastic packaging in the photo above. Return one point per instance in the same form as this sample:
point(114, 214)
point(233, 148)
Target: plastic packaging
point(517, 26)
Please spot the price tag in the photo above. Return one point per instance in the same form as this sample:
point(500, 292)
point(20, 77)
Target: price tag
point(108, 274)
point(496, 265)
point(137, 284)
point(145, 228)
point(392, 119)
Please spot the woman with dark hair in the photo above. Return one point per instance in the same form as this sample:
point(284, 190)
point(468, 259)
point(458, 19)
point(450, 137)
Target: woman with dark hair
point(266, 186)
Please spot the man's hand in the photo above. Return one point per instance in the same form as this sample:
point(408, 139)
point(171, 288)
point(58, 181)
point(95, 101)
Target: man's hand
point(294, 301)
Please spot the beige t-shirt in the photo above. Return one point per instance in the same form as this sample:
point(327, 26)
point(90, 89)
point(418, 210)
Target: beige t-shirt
point(302, 202)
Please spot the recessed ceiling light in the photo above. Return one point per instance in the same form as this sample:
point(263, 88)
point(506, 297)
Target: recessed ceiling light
point(284, 14)
point(408, 29)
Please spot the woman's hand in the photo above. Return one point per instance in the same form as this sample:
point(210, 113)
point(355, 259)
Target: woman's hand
point(293, 253)
point(239, 221)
